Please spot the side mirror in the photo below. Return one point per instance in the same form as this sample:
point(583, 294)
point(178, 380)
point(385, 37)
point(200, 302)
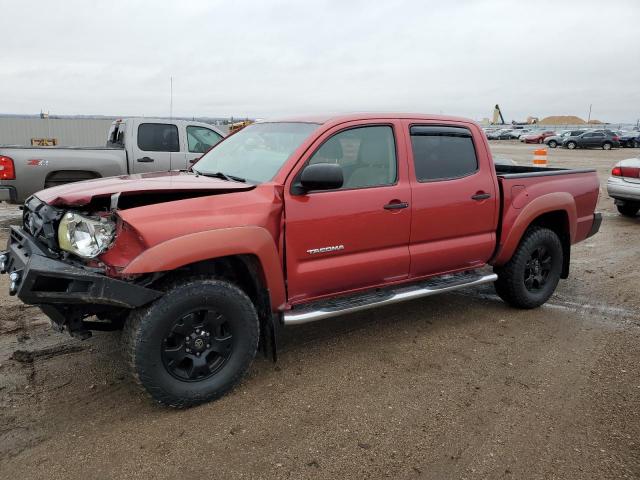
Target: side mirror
point(319, 176)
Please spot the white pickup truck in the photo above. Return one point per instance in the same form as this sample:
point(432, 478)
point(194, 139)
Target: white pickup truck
point(134, 145)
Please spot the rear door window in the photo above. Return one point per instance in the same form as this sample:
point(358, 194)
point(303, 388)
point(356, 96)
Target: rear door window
point(441, 153)
point(158, 137)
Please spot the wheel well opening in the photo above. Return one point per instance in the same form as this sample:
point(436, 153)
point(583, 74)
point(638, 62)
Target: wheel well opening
point(60, 177)
point(558, 222)
point(244, 271)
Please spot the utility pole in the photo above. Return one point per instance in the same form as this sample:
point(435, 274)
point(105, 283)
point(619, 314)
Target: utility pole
point(589, 119)
point(171, 98)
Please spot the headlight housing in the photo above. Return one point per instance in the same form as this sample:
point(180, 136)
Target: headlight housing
point(86, 237)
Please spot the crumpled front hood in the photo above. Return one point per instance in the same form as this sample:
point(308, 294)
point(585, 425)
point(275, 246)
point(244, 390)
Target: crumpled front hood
point(172, 183)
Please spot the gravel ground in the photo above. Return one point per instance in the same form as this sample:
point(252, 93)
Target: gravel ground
point(456, 386)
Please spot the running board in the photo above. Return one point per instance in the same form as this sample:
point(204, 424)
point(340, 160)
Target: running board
point(363, 301)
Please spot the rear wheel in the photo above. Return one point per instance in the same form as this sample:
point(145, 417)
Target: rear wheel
point(606, 146)
point(634, 144)
point(532, 274)
point(541, 141)
point(629, 209)
point(194, 343)
point(553, 143)
point(571, 145)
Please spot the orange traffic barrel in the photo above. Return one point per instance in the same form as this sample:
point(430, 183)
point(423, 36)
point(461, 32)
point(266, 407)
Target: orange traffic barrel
point(540, 157)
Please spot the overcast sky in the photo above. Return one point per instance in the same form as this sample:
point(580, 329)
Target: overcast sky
point(273, 58)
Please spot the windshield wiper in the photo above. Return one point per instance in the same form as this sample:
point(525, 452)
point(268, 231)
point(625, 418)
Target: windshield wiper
point(223, 176)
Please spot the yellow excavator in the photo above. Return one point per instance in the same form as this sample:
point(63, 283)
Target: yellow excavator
point(234, 127)
point(498, 119)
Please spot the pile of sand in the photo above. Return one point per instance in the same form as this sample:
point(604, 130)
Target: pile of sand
point(562, 120)
point(565, 120)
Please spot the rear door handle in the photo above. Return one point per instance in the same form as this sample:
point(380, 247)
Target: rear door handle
point(480, 196)
point(146, 160)
point(395, 205)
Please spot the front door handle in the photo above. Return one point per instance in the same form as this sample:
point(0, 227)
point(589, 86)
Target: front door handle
point(146, 160)
point(480, 196)
point(395, 205)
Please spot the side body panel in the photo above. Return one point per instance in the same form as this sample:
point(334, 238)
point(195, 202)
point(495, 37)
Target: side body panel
point(450, 230)
point(32, 165)
point(174, 234)
point(142, 161)
point(368, 244)
point(525, 199)
point(196, 247)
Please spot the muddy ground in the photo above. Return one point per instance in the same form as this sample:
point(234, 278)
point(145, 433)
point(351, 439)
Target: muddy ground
point(455, 386)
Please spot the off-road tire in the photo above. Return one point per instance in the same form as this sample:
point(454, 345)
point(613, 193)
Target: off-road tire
point(147, 327)
point(628, 209)
point(510, 285)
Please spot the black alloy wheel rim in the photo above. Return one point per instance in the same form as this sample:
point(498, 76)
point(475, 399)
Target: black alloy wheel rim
point(537, 269)
point(198, 345)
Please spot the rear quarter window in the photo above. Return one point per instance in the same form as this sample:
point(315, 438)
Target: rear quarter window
point(158, 137)
point(442, 153)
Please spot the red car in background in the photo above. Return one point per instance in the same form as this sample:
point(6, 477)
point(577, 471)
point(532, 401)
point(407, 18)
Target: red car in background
point(537, 137)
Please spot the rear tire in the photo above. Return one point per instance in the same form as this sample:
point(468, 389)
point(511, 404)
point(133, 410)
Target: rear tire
point(194, 343)
point(571, 145)
point(629, 209)
point(606, 146)
point(532, 275)
point(541, 141)
point(553, 144)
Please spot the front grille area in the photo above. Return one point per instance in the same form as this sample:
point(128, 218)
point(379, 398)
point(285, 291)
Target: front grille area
point(41, 221)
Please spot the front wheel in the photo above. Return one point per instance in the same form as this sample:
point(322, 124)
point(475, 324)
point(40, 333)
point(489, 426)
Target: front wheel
point(553, 143)
point(533, 273)
point(194, 343)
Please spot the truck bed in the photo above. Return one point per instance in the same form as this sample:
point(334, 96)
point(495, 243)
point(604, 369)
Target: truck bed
point(564, 195)
point(21, 147)
point(519, 171)
point(41, 167)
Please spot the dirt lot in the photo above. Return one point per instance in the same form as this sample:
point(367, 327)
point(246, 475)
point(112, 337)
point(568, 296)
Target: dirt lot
point(456, 386)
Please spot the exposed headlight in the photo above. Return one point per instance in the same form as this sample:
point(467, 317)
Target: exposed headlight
point(85, 237)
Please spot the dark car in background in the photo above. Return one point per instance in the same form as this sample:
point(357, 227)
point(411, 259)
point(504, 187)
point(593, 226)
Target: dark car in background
point(555, 140)
point(502, 134)
point(604, 139)
point(630, 139)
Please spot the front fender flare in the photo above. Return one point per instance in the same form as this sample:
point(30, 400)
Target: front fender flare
point(211, 244)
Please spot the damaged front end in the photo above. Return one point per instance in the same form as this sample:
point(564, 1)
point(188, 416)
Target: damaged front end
point(49, 265)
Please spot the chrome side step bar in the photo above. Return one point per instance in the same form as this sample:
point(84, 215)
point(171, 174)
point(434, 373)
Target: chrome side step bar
point(378, 298)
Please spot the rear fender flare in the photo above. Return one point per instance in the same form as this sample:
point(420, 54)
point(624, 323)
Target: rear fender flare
point(181, 251)
point(558, 201)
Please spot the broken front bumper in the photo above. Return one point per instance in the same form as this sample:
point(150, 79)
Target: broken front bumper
point(57, 287)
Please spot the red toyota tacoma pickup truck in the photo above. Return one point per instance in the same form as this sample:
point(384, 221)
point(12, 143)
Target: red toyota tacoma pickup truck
point(287, 222)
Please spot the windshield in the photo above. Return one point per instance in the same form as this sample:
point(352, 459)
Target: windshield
point(256, 152)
